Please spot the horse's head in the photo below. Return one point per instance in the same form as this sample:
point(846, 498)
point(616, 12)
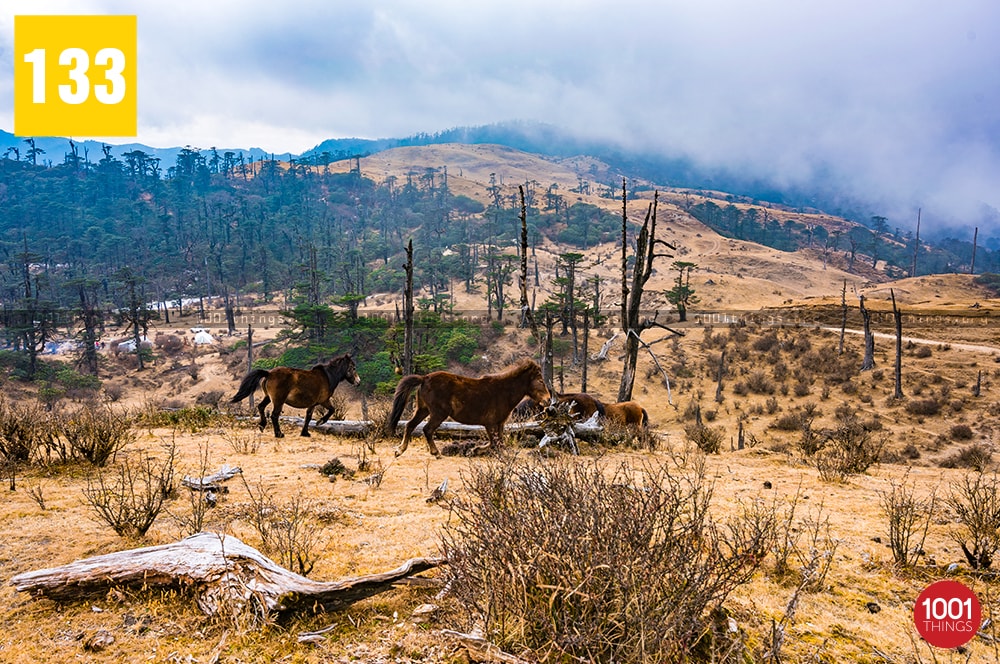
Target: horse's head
point(352, 371)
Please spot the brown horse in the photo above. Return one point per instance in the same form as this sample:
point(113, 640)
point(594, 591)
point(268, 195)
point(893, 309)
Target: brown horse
point(298, 388)
point(582, 405)
point(487, 401)
point(628, 413)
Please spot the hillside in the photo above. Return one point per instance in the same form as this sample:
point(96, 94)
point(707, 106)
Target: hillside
point(767, 323)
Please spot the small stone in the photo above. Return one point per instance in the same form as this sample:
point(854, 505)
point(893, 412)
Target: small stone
point(767, 484)
point(873, 607)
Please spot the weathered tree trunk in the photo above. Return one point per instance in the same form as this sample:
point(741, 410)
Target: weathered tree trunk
point(718, 383)
point(226, 575)
point(975, 241)
point(916, 247)
point(250, 361)
point(843, 317)
point(408, 313)
point(897, 316)
point(586, 349)
point(868, 362)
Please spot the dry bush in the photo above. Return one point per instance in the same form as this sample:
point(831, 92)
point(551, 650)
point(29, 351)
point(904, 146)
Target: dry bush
point(922, 352)
point(961, 432)
point(975, 501)
point(628, 436)
point(923, 407)
point(23, 430)
point(130, 495)
point(909, 519)
point(976, 456)
point(242, 439)
point(758, 382)
point(288, 531)
point(577, 564)
point(96, 435)
point(708, 439)
point(850, 449)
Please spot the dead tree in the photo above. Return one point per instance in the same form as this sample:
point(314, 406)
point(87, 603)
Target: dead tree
point(408, 312)
point(897, 316)
point(527, 316)
point(225, 574)
point(645, 253)
point(868, 362)
point(916, 247)
point(718, 385)
point(843, 317)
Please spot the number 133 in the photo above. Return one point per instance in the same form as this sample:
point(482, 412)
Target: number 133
point(79, 90)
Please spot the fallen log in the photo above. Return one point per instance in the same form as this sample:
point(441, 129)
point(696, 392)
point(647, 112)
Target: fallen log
point(227, 576)
point(213, 482)
point(586, 430)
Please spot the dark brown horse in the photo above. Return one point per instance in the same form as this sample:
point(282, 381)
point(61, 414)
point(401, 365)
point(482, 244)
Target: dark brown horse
point(298, 388)
point(582, 405)
point(487, 401)
point(629, 413)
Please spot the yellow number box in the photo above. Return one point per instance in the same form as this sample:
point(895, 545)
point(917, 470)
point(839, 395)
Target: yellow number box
point(75, 76)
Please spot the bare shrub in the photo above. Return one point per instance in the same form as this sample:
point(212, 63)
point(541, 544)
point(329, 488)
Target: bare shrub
point(923, 407)
point(130, 495)
point(287, 531)
point(242, 439)
point(975, 456)
point(708, 439)
point(97, 434)
point(975, 501)
point(199, 502)
point(909, 519)
point(850, 449)
point(629, 436)
point(22, 431)
point(578, 564)
point(961, 432)
point(788, 422)
point(758, 382)
point(922, 352)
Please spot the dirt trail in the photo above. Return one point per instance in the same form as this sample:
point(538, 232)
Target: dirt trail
point(917, 340)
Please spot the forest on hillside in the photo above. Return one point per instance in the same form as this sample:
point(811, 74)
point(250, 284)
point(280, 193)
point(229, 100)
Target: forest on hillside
point(119, 243)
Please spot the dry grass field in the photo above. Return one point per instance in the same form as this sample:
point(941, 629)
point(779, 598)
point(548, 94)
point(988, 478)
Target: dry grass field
point(829, 585)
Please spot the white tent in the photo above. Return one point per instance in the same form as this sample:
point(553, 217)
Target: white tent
point(203, 338)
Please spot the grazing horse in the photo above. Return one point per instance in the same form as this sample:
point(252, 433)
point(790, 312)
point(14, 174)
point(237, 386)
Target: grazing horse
point(298, 388)
point(628, 413)
point(487, 401)
point(582, 405)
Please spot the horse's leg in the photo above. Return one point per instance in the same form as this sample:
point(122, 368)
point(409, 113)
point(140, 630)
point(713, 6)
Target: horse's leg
point(432, 424)
point(261, 408)
point(305, 425)
point(421, 413)
point(329, 411)
point(275, 414)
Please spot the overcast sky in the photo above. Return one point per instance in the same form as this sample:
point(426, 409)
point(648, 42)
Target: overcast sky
point(898, 99)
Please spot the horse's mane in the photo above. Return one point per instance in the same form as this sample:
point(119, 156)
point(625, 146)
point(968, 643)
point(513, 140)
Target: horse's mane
point(527, 364)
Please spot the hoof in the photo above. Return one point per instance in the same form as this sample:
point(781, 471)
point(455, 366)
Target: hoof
point(279, 435)
point(306, 434)
point(397, 451)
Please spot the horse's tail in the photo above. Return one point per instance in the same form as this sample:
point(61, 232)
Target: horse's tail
point(600, 407)
point(399, 399)
point(645, 417)
point(249, 384)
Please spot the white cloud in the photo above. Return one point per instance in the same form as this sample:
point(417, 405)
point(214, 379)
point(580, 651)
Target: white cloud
point(896, 98)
